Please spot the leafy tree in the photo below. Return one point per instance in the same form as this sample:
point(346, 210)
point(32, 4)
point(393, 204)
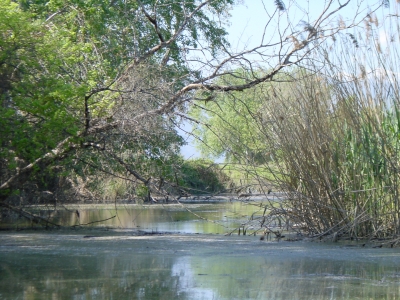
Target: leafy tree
point(85, 84)
point(80, 80)
point(232, 122)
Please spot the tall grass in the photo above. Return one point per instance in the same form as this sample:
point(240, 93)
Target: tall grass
point(335, 135)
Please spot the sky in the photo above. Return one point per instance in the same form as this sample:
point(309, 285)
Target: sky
point(248, 19)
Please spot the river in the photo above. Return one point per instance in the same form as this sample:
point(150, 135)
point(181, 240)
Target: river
point(183, 256)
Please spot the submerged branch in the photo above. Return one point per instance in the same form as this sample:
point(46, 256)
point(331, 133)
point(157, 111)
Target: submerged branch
point(30, 216)
point(94, 222)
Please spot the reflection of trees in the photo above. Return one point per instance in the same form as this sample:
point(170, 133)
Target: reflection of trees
point(50, 266)
point(105, 276)
point(175, 217)
point(270, 277)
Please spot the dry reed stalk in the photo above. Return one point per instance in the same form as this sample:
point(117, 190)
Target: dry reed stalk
point(335, 138)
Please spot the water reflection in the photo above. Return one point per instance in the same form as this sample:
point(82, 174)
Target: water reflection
point(173, 218)
point(111, 266)
point(190, 218)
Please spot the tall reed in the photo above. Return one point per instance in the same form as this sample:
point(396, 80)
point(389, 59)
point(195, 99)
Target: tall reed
point(335, 132)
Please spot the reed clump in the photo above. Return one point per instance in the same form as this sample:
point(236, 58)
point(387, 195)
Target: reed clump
point(335, 134)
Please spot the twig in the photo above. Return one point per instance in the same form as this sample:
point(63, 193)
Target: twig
point(95, 221)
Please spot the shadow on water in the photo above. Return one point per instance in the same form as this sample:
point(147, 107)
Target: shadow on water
point(116, 264)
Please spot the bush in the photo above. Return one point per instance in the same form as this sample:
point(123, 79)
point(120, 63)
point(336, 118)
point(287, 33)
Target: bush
point(200, 176)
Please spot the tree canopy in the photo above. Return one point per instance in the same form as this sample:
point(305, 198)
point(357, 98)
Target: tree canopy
point(90, 85)
point(81, 77)
point(227, 127)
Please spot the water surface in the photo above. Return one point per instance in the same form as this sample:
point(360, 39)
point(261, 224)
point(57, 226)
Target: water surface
point(112, 263)
point(217, 218)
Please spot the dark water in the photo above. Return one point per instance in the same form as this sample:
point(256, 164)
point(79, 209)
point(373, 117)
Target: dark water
point(115, 264)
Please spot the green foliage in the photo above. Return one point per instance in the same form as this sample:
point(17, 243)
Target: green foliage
point(64, 70)
point(120, 30)
point(36, 97)
point(201, 176)
point(229, 126)
point(366, 160)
